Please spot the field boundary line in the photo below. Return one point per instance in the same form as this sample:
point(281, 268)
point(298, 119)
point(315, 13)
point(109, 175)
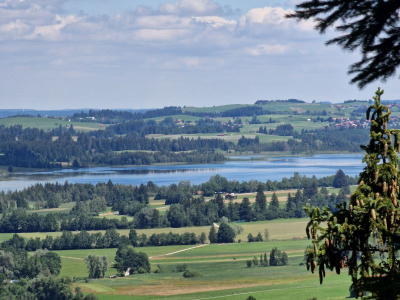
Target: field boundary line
point(263, 291)
point(186, 249)
point(70, 257)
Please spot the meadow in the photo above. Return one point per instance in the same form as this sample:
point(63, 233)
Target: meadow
point(279, 229)
point(48, 124)
point(222, 269)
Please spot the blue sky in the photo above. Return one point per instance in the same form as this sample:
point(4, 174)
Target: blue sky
point(58, 54)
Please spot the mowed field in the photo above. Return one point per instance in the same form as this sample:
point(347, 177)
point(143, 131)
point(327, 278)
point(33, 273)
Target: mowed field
point(48, 124)
point(279, 229)
point(222, 268)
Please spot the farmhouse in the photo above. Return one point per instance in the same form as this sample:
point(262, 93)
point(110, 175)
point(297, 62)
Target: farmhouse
point(230, 196)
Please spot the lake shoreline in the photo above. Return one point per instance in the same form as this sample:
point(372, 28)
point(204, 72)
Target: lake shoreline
point(273, 168)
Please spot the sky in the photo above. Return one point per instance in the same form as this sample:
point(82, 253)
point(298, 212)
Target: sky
point(58, 54)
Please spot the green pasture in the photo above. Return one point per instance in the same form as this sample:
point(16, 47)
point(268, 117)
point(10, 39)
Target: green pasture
point(64, 207)
point(278, 229)
point(222, 268)
point(230, 136)
point(48, 124)
point(115, 217)
point(223, 274)
point(214, 109)
point(184, 118)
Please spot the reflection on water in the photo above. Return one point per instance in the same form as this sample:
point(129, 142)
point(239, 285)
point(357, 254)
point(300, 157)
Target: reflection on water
point(271, 169)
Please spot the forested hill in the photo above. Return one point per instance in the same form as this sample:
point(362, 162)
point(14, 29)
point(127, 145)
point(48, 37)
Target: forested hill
point(184, 134)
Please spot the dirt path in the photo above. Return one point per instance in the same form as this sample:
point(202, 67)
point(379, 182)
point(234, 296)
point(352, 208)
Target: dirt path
point(76, 258)
point(264, 291)
point(203, 245)
point(70, 257)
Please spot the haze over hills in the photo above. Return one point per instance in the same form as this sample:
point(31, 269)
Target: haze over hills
point(4, 113)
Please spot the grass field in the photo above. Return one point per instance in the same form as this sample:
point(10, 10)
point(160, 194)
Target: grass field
point(64, 207)
point(214, 109)
point(279, 229)
point(48, 124)
point(222, 269)
point(230, 136)
point(176, 117)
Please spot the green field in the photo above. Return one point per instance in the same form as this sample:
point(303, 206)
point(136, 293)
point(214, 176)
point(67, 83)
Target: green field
point(222, 268)
point(214, 109)
point(48, 124)
point(176, 117)
point(279, 229)
point(64, 207)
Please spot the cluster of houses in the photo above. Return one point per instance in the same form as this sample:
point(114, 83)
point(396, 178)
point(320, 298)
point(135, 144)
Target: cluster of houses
point(227, 196)
point(347, 123)
point(339, 106)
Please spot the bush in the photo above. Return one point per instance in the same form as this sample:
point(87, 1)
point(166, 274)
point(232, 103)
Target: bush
point(190, 274)
point(181, 268)
point(225, 234)
point(255, 261)
point(278, 258)
point(160, 269)
point(250, 238)
point(249, 263)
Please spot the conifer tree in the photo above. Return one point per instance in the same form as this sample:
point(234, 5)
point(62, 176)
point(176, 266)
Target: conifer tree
point(265, 259)
point(356, 233)
point(274, 204)
point(212, 236)
point(340, 179)
point(245, 211)
point(261, 199)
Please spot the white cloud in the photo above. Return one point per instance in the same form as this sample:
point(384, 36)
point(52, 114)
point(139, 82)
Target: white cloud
point(188, 7)
point(267, 20)
point(192, 62)
point(160, 35)
point(217, 22)
point(53, 31)
point(17, 27)
point(181, 34)
point(267, 50)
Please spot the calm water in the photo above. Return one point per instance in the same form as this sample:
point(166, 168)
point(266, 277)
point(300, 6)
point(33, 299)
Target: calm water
point(274, 169)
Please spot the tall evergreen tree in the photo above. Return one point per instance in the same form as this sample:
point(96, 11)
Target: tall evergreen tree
point(340, 179)
point(212, 236)
point(233, 211)
point(290, 206)
point(245, 212)
point(219, 200)
point(369, 225)
point(261, 199)
point(274, 204)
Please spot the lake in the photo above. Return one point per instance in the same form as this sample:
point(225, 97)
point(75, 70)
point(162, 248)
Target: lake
point(274, 168)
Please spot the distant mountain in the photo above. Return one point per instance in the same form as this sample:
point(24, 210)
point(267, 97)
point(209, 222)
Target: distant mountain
point(263, 102)
point(397, 101)
point(4, 113)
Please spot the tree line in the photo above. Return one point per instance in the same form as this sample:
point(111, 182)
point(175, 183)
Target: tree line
point(188, 207)
point(111, 239)
point(33, 276)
